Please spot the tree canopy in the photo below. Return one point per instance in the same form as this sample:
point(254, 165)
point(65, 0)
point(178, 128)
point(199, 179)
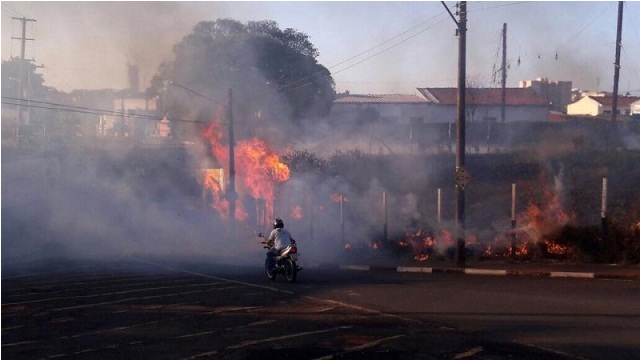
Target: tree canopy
point(33, 83)
point(273, 73)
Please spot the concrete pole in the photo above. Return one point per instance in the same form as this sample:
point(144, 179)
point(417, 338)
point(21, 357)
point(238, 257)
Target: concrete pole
point(461, 135)
point(385, 227)
point(439, 205)
point(231, 195)
point(603, 214)
point(513, 220)
point(342, 220)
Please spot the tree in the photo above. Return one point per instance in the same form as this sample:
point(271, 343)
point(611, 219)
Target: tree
point(32, 82)
point(273, 73)
point(27, 90)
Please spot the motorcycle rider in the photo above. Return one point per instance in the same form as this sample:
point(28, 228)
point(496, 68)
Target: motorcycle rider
point(281, 238)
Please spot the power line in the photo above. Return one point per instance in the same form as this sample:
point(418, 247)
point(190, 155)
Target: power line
point(197, 93)
point(386, 41)
point(12, 12)
point(626, 5)
point(303, 82)
point(43, 105)
point(85, 110)
point(498, 6)
point(388, 48)
point(362, 53)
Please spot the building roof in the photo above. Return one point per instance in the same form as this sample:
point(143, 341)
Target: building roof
point(380, 99)
point(622, 100)
point(483, 96)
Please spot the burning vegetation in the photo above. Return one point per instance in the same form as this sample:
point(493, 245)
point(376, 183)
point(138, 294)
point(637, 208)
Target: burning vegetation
point(258, 170)
point(332, 210)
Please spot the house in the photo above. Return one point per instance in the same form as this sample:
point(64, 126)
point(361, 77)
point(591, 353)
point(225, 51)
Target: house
point(485, 105)
point(387, 121)
point(395, 108)
point(410, 122)
point(132, 116)
point(556, 93)
point(601, 105)
point(439, 105)
point(635, 109)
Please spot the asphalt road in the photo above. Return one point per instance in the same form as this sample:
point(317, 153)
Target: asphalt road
point(142, 308)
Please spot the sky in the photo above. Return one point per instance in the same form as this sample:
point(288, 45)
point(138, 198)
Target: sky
point(370, 47)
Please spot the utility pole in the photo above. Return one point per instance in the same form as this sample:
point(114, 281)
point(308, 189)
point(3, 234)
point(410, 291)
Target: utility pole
point(504, 71)
point(34, 67)
point(616, 74)
point(461, 177)
point(231, 194)
point(23, 39)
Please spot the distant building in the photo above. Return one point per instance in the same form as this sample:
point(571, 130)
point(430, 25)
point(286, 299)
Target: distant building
point(635, 109)
point(601, 105)
point(485, 104)
point(411, 122)
point(88, 122)
point(556, 93)
point(386, 120)
point(388, 108)
point(133, 117)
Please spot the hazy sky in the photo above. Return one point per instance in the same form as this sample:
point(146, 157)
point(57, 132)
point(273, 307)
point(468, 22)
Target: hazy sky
point(370, 47)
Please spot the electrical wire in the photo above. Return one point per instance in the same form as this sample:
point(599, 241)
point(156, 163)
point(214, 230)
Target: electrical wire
point(373, 55)
point(34, 104)
point(12, 12)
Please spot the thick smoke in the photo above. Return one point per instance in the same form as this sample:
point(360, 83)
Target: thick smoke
point(83, 203)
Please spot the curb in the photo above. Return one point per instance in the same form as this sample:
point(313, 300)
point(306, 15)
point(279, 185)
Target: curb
point(493, 272)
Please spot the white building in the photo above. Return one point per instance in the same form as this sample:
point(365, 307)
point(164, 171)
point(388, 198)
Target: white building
point(601, 105)
point(635, 108)
point(133, 117)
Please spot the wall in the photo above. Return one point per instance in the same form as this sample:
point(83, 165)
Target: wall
point(585, 106)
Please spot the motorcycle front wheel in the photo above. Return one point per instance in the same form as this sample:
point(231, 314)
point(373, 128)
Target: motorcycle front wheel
point(269, 269)
point(290, 270)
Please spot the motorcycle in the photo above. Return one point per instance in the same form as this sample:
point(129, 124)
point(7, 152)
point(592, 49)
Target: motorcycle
point(284, 263)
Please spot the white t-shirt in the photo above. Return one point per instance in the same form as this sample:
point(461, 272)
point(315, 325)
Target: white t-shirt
point(281, 237)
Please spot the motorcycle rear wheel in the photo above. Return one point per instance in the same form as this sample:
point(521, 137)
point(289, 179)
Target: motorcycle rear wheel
point(270, 269)
point(290, 270)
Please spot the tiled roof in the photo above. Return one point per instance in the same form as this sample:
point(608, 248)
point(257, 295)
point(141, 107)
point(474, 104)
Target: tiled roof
point(380, 99)
point(483, 96)
point(622, 100)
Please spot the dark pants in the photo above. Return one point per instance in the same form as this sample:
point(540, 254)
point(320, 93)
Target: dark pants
point(271, 258)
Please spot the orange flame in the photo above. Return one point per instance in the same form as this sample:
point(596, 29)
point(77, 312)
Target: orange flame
point(446, 237)
point(421, 242)
point(421, 257)
point(258, 169)
point(557, 249)
point(543, 217)
point(296, 212)
point(338, 197)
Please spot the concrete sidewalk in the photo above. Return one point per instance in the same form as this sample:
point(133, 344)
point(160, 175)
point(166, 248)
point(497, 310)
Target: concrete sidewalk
point(505, 268)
